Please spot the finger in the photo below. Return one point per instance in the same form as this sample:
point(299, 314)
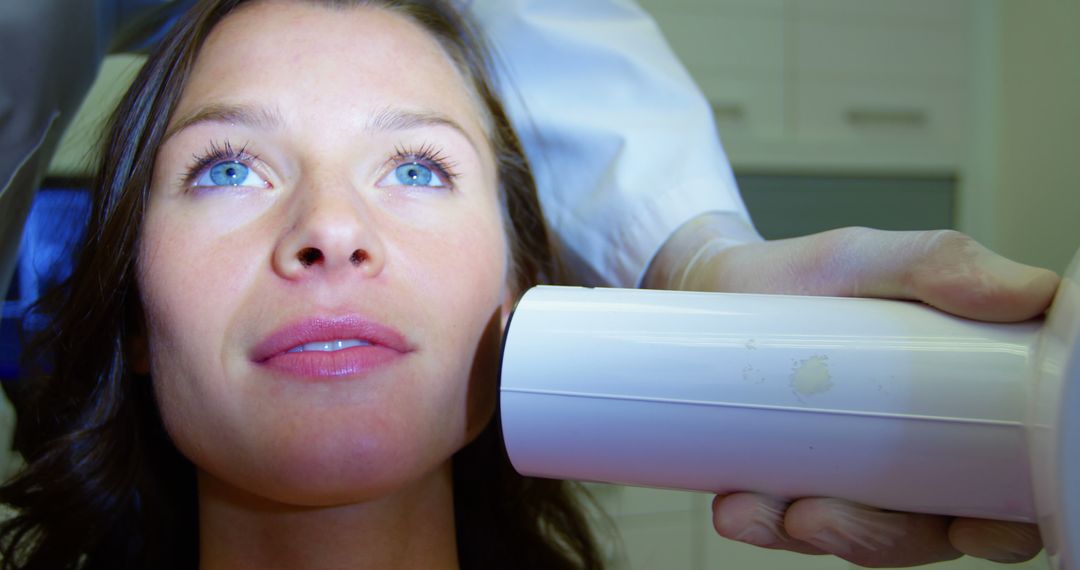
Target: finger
point(757, 520)
point(945, 269)
point(1000, 541)
point(870, 537)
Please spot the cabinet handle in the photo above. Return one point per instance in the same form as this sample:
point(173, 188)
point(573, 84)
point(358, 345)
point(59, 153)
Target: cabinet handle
point(896, 117)
point(728, 112)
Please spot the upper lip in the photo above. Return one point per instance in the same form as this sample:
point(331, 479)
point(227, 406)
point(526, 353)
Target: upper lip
point(323, 329)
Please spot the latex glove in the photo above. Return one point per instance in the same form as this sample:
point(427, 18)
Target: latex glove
point(945, 269)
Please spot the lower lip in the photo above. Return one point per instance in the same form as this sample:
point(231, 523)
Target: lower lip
point(319, 365)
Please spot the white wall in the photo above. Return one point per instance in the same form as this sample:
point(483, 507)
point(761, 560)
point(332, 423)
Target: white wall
point(1038, 186)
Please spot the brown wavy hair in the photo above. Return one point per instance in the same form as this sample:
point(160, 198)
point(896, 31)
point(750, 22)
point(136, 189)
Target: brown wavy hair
point(104, 487)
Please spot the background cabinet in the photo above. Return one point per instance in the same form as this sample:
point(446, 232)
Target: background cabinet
point(831, 85)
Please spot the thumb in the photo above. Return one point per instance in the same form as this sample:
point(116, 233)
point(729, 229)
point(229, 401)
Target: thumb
point(945, 269)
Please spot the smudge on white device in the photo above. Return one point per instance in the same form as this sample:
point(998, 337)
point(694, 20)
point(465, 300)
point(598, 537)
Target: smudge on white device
point(888, 403)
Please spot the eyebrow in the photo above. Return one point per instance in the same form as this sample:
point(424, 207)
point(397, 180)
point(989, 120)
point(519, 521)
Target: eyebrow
point(270, 118)
point(393, 119)
point(265, 118)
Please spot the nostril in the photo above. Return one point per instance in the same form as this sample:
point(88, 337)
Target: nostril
point(309, 256)
point(357, 257)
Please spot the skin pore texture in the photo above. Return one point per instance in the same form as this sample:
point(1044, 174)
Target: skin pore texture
point(300, 472)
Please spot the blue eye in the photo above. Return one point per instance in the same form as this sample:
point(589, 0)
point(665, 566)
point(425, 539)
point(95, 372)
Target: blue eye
point(416, 174)
point(423, 167)
point(230, 173)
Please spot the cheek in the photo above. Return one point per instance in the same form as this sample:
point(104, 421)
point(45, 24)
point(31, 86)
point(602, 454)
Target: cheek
point(460, 264)
point(191, 288)
point(185, 291)
point(462, 281)
point(179, 318)
point(196, 263)
point(482, 392)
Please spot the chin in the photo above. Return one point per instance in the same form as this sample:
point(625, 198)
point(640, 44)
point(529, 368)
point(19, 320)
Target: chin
point(332, 471)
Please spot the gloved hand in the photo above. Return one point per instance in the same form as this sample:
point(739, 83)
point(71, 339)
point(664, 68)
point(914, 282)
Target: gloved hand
point(945, 269)
point(867, 536)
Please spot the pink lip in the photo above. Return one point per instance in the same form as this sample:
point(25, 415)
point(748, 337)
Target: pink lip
point(387, 345)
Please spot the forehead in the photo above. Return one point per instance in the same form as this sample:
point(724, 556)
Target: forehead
point(308, 58)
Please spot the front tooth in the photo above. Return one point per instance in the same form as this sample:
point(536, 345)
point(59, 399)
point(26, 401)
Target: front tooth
point(330, 346)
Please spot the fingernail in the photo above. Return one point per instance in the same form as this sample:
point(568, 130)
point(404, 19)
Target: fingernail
point(1009, 557)
point(1007, 543)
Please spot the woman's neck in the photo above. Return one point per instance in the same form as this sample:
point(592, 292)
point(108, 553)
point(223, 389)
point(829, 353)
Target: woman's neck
point(413, 528)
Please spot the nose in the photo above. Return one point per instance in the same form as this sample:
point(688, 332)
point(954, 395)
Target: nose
point(332, 232)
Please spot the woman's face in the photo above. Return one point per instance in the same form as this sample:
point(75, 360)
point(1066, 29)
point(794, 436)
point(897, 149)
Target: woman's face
point(322, 263)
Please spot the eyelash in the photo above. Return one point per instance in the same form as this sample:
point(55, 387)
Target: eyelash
point(427, 154)
point(430, 156)
point(213, 155)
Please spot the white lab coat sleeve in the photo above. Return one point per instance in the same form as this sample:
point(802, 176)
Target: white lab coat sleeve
point(622, 142)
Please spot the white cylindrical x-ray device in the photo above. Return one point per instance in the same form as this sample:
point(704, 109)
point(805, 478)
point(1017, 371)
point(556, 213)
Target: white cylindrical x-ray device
point(888, 403)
